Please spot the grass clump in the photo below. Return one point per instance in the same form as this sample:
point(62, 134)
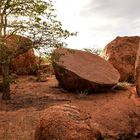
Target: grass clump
point(122, 86)
point(83, 93)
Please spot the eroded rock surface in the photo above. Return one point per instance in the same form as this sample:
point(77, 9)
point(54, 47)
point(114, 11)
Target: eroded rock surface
point(65, 122)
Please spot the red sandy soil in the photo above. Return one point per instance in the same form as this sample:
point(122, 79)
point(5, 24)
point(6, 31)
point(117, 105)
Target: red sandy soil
point(116, 113)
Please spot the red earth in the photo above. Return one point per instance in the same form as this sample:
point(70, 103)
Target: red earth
point(116, 113)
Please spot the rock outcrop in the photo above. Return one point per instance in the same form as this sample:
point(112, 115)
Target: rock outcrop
point(121, 53)
point(65, 122)
point(79, 71)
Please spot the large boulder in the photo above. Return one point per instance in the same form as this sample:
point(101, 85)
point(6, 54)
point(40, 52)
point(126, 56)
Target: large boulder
point(24, 63)
point(79, 70)
point(65, 122)
point(121, 53)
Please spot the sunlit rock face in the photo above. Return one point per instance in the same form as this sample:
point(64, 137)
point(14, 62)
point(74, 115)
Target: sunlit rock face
point(121, 53)
point(79, 70)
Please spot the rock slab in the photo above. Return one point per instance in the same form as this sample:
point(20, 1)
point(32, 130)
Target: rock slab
point(82, 71)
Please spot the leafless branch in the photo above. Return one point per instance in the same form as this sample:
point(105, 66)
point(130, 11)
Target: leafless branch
point(12, 33)
point(7, 5)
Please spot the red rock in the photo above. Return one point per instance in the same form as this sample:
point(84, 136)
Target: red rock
point(121, 53)
point(65, 122)
point(79, 70)
point(25, 63)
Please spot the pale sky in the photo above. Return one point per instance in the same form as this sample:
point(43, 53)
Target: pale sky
point(98, 21)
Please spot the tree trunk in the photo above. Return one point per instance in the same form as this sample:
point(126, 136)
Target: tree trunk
point(137, 72)
point(6, 84)
point(138, 82)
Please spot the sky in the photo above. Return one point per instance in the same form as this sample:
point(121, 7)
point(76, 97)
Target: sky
point(98, 21)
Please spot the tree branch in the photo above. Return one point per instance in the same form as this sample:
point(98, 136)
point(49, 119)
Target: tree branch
point(7, 5)
point(7, 36)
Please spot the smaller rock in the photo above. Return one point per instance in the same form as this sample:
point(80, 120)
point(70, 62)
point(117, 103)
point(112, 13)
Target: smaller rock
point(65, 122)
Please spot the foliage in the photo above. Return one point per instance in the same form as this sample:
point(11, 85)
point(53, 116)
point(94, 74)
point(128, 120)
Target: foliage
point(93, 50)
point(83, 93)
point(13, 78)
point(34, 19)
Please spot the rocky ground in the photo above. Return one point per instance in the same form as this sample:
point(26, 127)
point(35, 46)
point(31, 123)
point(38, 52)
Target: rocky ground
point(116, 113)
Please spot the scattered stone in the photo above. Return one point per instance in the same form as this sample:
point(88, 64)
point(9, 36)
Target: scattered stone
point(79, 71)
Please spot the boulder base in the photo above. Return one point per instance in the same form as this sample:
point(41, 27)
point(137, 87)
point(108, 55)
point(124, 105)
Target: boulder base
point(65, 122)
point(78, 70)
point(121, 53)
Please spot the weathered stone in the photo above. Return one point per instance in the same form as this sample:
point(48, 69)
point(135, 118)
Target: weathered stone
point(78, 70)
point(24, 64)
point(65, 122)
point(121, 53)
